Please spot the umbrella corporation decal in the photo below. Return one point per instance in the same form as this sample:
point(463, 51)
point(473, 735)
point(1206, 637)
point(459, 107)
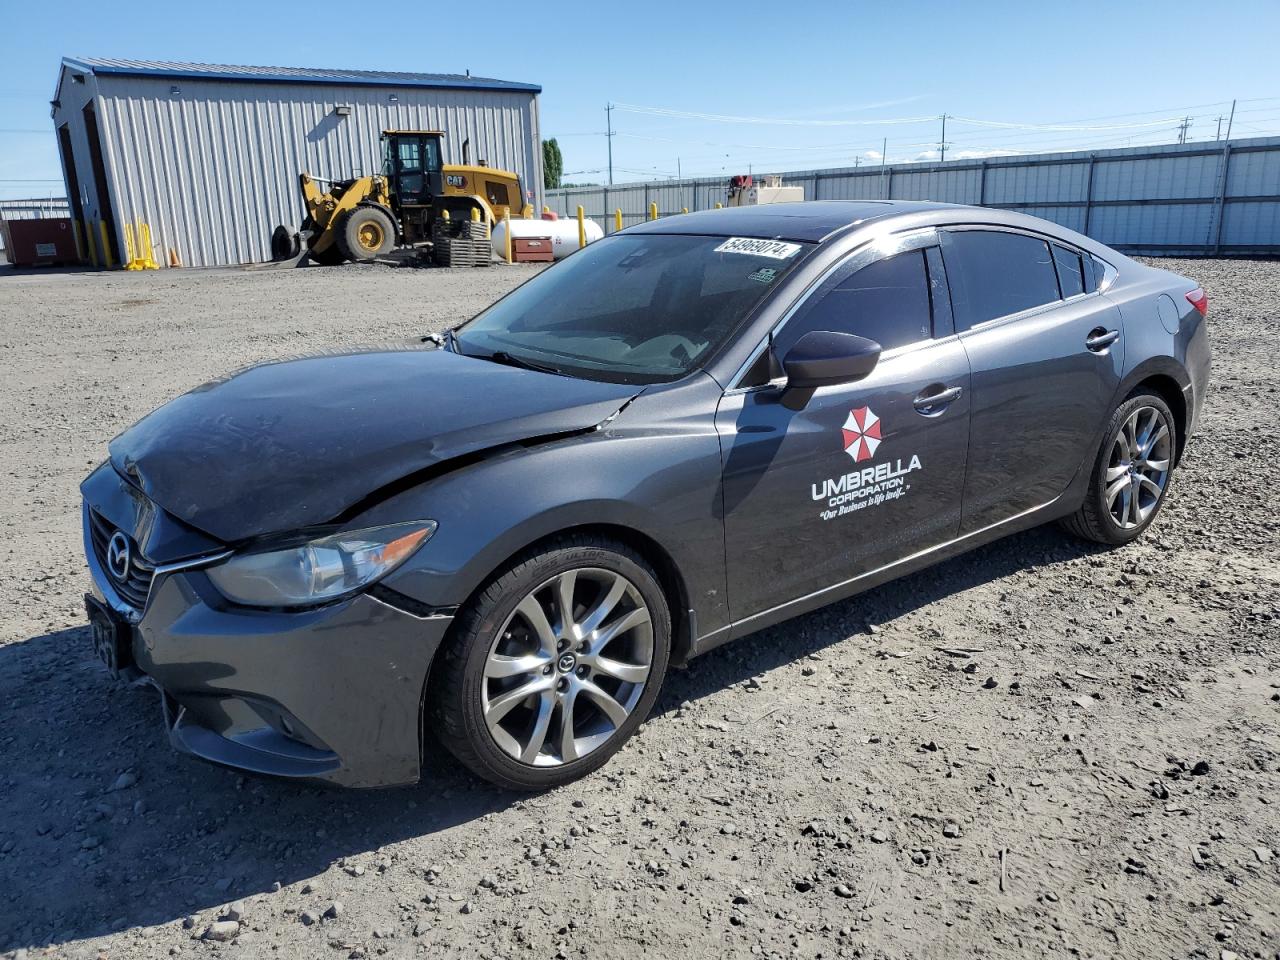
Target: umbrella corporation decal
point(872, 485)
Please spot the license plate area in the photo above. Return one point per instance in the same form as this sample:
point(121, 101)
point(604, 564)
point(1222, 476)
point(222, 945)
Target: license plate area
point(112, 637)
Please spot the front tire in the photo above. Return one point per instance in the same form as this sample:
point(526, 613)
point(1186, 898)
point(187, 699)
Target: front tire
point(553, 665)
point(1131, 474)
point(365, 234)
point(330, 256)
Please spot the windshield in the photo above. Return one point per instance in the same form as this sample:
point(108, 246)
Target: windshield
point(644, 308)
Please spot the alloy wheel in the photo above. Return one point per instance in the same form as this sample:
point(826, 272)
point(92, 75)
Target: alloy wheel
point(1138, 469)
point(568, 667)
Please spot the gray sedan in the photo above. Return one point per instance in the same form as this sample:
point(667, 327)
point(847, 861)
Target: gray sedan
point(503, 537)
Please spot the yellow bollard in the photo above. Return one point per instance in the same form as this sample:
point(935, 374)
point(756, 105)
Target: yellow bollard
point(444, 215)
point(75, 231)
point(719, 205)
point(148, 257)
point(106, 247)
point(684, 209)
point(506, 219)
point(545, 209)
point(653, 211)
point(93, 250)
point(582, 229)
point(130, 251)
point(527, 211)
point(617, 218)
point(475, 214)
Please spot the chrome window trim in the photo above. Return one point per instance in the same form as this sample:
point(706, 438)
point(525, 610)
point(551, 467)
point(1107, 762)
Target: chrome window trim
point(915, 238)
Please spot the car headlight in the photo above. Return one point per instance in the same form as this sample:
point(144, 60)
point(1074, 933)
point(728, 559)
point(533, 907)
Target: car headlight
point(321, 569)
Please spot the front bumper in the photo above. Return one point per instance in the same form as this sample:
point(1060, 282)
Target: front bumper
point(332, 693)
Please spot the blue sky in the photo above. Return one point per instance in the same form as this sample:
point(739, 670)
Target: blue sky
point(700, 85)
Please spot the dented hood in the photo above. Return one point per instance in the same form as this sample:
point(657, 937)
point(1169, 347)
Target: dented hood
point(292, 444)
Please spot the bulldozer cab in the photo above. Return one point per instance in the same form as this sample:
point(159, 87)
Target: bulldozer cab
point(412, 164)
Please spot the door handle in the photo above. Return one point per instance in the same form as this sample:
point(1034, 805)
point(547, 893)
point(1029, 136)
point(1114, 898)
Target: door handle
point(931, 404)
point(1100, 338)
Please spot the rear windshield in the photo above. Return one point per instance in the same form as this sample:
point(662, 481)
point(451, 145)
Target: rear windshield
point(643, 308)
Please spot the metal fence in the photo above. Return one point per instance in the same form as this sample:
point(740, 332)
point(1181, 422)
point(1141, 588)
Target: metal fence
point(34, 209)
point(1196, 198)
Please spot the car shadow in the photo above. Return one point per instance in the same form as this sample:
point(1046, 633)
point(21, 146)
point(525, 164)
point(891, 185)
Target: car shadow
point(107, 828)
point(810, 633)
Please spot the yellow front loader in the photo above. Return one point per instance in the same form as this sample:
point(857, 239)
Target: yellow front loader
point(364, 218)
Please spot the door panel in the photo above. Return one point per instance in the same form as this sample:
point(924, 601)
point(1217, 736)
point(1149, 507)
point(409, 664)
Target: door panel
point(857, 479)
point(1039, 398)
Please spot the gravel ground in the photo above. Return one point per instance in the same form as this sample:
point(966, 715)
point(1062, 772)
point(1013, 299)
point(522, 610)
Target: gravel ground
point(1100, 776)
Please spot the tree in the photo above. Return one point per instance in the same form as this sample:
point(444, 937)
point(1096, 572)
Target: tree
point(552, 164)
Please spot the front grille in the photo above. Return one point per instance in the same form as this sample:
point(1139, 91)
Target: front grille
point(133, 589)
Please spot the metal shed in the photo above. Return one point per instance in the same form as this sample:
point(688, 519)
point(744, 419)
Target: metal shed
point(208, 155)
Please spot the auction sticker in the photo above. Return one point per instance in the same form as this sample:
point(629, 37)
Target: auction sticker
point(774, 249)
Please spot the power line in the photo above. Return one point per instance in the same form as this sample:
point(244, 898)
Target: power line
point(724, 118)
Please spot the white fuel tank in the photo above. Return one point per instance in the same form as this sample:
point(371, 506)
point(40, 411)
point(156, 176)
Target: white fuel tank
point(563, 234)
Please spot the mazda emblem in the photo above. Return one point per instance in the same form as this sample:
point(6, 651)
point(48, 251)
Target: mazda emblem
point(118, 556)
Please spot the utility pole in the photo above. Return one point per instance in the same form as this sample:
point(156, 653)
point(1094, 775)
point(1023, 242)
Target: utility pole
point(608, 124)
point(1218, 134)
point(1231, 118)
point(1182, 129)
point(942, 145)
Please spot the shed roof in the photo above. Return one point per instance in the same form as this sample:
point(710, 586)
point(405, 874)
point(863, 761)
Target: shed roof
point(221, 71)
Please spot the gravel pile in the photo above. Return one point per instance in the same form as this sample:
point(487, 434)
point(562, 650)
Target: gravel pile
point(1039, 748)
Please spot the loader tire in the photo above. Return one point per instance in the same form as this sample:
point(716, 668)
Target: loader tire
point(330, 256)
point(365, 233)
point(285, 244)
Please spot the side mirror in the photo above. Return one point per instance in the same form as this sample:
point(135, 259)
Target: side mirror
point(822, 358)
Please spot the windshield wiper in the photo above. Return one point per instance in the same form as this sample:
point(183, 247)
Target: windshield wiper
point(511, 360)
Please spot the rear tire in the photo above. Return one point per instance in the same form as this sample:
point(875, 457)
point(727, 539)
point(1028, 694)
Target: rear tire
point(591, 677)
point(365, 234)
point(1131, 474)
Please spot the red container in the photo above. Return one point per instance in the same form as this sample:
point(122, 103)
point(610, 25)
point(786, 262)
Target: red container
point(532, 250)
point(31, 243)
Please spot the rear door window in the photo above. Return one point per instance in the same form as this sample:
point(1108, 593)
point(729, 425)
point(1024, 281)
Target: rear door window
point(886, 301)
point(1070, 273)
point(993, 274)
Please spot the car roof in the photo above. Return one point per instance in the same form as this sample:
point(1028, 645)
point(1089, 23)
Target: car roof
point(811, 220)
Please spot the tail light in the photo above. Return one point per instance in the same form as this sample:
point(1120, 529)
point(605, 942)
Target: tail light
point(1200, 300)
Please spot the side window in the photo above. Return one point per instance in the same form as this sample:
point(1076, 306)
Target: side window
point(1070, 273)
point(886, 301)
point(497, 193)
point(1099, 270)
point(993, 274)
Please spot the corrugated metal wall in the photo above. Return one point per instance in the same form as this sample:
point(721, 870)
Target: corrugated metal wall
point(1180, 198)
point(213, 168)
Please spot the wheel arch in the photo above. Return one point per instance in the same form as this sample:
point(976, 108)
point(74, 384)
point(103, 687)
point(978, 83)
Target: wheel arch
point(670, 578)
point(1163, 377)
